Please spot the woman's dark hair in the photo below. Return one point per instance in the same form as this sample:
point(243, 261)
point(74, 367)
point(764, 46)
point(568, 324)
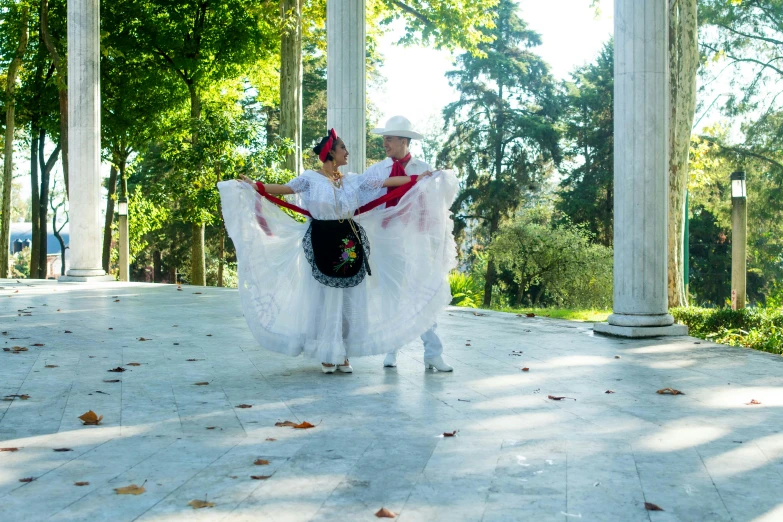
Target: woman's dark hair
point(318, 148)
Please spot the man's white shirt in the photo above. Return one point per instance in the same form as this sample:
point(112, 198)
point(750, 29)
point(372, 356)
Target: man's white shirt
point(414, 167)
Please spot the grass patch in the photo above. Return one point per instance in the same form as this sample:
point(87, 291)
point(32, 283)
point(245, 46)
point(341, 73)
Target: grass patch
point(757, 328)
point(593, 316)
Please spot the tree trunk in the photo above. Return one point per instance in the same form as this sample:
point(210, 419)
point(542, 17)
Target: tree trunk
point(8, 165)
point(198, 267)
point(109, 218)
point(291, 80)
point(198, 275)
point(35, 245)
point(489, 280)
point(43, 199)
point(221, 256)
point(157, 267)
point(684, 63)
point(62, 87)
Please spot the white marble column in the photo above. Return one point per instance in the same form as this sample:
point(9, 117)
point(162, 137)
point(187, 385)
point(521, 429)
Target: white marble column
point(641, 101)
point(345, 77)
point(84, 133)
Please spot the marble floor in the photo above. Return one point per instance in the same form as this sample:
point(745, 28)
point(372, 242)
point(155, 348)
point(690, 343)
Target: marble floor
point(518, 455)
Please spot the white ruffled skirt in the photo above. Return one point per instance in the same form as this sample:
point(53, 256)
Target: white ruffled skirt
point(289, 312)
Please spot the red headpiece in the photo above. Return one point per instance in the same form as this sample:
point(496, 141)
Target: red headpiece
point(327, 146)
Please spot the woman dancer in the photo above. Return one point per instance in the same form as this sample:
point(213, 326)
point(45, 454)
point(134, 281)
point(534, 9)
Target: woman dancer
point(341, 285)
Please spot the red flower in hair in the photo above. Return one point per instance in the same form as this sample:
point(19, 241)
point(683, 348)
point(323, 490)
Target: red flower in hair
point(327, 148)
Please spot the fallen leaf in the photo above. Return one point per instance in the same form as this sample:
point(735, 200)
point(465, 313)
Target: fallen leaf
point(244, 406)
point(91, 418)
point(463, 400)
point(68, 331)
point(211, 427)
point(530, 315)
point(609, 391)
point(452, 434)
point(144, 339)
point(284, 423)
point(467, 344)
point(196, 293)
point(111, 328)
point(102, 392)
point(51, 366)
point(81, 483)
point(554, 398)
point(260, 477)
point(649, 506)
point(23, 397)
point(27, 479)
point(752, 401)
point(118, 369)
point(616, 356)
point(133, 489)
point(270, 439)
point(478, 314)
point(60, 450)
point(209, 335)
point(116, 300)
point(134, 364)
point(198, 504)
point(261, 462)
point(303, 426)
point(19, 349)
point(111, 380)
point(525, 369)
point(669, 391)
point(9, 449)
point(176, 344)
point(39, 344)
point(190, 360)
point(385, 513)
point(201, 383)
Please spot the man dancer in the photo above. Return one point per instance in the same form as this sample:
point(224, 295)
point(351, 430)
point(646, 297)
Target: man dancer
point(397, 136)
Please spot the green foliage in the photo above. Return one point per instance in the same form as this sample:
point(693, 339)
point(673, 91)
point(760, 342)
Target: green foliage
point(464, 290)
point(144, 218)
point(20, 267)
point(561, 262)
point(587, 190)
point(758, 328)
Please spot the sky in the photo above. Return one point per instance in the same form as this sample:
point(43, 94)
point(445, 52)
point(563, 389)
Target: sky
point(416, 86)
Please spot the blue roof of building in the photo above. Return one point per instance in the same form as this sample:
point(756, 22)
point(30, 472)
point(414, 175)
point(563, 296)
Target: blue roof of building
point(24, 231)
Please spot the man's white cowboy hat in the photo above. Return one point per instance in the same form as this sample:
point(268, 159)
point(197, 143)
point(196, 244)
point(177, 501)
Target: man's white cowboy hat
point(398, 126)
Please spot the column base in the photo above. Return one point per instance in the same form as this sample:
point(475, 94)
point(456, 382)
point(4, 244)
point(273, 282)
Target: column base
point(85, 278)
point(639, 332)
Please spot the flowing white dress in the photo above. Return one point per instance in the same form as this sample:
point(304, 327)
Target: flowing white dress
point(412, 251)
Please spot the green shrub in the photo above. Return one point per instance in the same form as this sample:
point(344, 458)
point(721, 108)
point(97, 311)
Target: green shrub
point(464, 291)
point(758, 328)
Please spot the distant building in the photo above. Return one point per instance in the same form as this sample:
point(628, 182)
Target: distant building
point(22, 237)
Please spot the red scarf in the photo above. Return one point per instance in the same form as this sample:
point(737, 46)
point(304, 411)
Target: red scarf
point(398, 169)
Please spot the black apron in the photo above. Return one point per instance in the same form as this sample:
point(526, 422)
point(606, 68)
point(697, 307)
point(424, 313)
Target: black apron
point(337, 255)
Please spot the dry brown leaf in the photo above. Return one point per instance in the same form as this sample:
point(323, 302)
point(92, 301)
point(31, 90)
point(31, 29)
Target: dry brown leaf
point(201, 383)
point(19, 349)
point(244, 406)
point(196, 293)
point(198, 504)
point(144, 339)
point(270, 439)
point(609, 391)
point(134, 364)
point(525, 369)
point(189, 360)
point(669, 391)
point(60, 450)
point(116, 300)
point(9, 449)
point(554, 398)
point(118, 369)
point(467, 344)
point(616, 356)
point(111, 380)
point(90, 418)
point(303, 426)
point(39, 344)
point(209, 335)
point(133, 489)
point(649, 506)
point(211, 427)
point(261, 462)
point(27, 479)
point(530, 315)
point(478, 314)
point(260, 477)
point(68, 331)
point(385, 513)
point(284, 424)
point(23, 397)
point(752, 401)
point(450, 434)
point(81, 483)
point(51, 366)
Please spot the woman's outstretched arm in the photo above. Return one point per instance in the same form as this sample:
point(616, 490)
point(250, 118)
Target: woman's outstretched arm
point(398, 181)
point(270, 188)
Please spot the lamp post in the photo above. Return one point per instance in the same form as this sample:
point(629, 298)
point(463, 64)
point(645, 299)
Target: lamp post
point(739, 239)
point(124, 246)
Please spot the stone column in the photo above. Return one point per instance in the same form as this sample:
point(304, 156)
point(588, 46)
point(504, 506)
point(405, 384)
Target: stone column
point(84, 133)
point(641, 111)
point(345, 78)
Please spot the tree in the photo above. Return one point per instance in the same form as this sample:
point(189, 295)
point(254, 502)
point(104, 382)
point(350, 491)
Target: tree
point(19, 20)
point(503, 136)
point(54, 36)
point(200, 43)
point(291, 80)
point(587, 190)
point(683, 64)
